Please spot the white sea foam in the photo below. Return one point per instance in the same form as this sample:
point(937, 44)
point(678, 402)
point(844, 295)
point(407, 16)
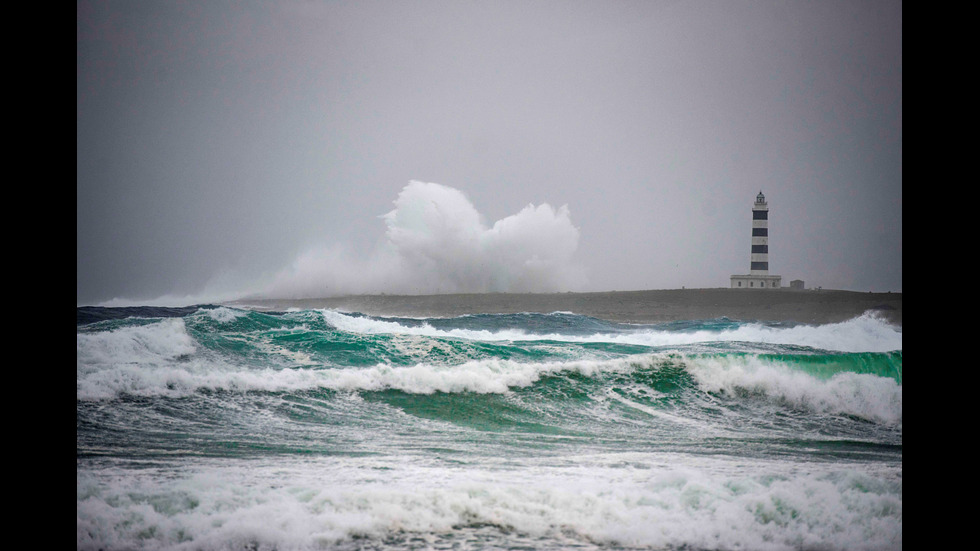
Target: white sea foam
point(152, 344)
point(183, 379)
point(224, 314)
point(486, 376)
point(868, 396)
point(160, 358)
point(662, 501)
point(862, 395)
point(866, 333)
point(374, 326)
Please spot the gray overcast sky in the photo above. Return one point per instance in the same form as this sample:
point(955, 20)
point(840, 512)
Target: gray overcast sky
point(242, 146)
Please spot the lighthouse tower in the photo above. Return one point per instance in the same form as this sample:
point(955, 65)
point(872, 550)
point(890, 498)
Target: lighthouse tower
point(760, 236)
point(758, 276)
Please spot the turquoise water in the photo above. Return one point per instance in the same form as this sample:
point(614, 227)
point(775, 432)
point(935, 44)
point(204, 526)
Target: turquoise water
point(217, 428)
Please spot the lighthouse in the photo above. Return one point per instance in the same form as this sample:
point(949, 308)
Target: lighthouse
point(758, 276)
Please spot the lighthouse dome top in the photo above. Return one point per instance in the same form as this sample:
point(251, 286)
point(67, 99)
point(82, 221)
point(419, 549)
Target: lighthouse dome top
point(760, 198)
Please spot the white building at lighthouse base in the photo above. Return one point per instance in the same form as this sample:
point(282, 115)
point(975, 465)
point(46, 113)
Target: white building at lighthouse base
point(750, 281)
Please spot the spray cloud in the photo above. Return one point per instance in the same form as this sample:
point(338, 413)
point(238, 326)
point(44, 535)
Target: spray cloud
point(436, 242)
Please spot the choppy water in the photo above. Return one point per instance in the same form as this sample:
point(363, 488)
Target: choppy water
point(217, 428)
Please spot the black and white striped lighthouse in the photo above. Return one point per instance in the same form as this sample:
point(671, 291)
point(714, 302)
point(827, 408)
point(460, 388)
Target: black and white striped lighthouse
point(758, 276)
point(760, 236)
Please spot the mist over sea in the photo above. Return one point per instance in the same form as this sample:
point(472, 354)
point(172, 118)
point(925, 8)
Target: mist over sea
point(210, 427)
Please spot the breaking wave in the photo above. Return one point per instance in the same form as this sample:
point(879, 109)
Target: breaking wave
point(437, 242)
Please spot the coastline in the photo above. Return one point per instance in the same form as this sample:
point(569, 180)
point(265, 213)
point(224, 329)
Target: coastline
point(651, 306)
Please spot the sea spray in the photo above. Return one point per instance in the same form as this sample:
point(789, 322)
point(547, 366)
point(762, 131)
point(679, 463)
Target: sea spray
point(437, 242)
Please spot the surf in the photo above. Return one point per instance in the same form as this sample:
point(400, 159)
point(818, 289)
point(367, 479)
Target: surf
point(227, 350)
point(215, 426)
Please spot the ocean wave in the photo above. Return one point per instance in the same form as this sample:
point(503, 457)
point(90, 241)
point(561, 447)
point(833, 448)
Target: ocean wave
point(150, 344)
point(220, 428)
point(317, 504)
point(869, 396)
point(867, 333)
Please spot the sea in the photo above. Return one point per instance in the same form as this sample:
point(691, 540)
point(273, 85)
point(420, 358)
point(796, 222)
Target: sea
point(217, 428)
